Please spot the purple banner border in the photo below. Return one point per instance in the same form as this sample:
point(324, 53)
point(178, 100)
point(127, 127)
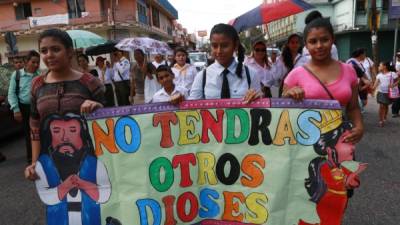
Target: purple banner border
point(212, 104)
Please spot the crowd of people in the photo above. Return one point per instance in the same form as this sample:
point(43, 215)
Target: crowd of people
point(309, 72)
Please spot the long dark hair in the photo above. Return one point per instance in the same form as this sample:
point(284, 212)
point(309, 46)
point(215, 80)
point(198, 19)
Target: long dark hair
point(314, 184)
point(230, 32)
point(180, 49)
point(287, 55)
point(318, 22)
point(59, 35)
point(265, 60)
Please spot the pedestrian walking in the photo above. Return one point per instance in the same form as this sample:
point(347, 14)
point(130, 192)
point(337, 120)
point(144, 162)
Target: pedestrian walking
point(61, 90)
point(170, 92)
point(183, 71)
point(290, 58)
point(259, 62)
point(226, 77)
point(19, 96)
point(142, 70)
point(105, 74)
point(121, 78)
point(384, 80)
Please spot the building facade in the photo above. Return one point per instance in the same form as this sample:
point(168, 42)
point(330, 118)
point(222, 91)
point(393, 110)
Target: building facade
point(351, 21)
point(111, 19)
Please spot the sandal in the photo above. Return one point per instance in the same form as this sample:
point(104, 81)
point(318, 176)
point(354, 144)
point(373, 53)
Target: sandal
point(381, 123)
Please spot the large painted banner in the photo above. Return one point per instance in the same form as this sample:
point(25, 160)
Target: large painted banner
point(204, 162)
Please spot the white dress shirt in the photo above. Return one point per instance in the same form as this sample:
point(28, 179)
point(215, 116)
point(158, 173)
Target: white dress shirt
point(108, 75)
point(238, 86)
point(184, 78)
point(162, 96)
point(280, 70)
point(264, 73)
point(121, 70)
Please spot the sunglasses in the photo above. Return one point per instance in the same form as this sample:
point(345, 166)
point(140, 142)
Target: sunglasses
point(259, 50)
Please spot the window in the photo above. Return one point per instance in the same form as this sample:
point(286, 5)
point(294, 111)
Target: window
point(75, 8)
point(141, 9)
point(385, 5)
point(361, 5)
point(155, 17)
point(23, 11)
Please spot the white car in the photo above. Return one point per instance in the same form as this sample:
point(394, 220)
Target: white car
point(198, 59)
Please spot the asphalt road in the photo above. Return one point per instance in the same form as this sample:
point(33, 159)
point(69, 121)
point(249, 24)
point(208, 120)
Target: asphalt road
point(377, 202)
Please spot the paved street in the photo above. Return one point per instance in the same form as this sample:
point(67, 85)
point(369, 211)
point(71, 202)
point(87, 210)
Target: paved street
point(376, 202)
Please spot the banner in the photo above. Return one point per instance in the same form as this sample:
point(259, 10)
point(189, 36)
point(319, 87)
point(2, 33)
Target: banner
point(48, 20)
point(205, 162)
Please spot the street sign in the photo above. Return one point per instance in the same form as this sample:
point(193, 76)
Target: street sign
point(202, 33)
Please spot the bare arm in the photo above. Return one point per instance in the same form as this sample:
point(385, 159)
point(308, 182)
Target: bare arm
point(354, 114)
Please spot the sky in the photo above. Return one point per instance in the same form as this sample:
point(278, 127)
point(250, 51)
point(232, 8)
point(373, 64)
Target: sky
point(198, 15)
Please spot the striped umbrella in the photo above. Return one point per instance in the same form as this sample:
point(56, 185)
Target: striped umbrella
point(268, 12)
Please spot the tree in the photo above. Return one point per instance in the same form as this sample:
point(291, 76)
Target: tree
point(250, 36)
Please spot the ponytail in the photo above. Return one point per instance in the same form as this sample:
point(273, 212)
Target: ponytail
point(230, 32)
point(239, 67)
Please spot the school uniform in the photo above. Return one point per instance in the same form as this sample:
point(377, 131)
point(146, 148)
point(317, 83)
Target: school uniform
point(121, 81)
point(184, 76)
point(281, 70)
point(105, 77)
point(162, 96)
point(19, 98)
point(264, 72)
point(213, 86)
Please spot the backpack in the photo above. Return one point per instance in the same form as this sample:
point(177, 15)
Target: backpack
point(17, 79)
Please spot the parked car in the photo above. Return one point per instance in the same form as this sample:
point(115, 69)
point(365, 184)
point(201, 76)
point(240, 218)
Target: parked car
point(270, 50)
point(8, 126)
point(198, 59)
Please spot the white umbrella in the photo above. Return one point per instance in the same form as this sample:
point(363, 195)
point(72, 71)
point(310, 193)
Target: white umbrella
point(148, 45)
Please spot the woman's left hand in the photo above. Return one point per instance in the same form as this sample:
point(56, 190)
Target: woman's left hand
point(251, 95)
point(355, 135)
point(89, 106)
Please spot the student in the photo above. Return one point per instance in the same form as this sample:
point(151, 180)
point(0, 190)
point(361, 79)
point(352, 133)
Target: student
point(290, 58)
point(61, 90)
point(83, 63)
point(121, 78)
point(357, 56)
point(310, 17)
point(184, 72)
point(141, 77)
point(259, 62)
point(158, 61)
point(385, 79)
point(19, 96)
point(105, 73)
point(226, 77)
point(169, 92)
point(326, 78)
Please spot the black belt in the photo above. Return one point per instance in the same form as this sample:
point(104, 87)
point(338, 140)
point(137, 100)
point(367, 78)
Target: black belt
point(74, 206)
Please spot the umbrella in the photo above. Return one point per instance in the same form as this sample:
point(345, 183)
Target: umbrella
point(268, 12)
point(85, 39)
point(148, 45)
point(100, 49)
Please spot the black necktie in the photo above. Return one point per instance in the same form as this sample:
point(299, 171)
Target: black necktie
point(225, 92)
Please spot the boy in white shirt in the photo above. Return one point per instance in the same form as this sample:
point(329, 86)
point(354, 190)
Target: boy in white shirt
point(169, 91)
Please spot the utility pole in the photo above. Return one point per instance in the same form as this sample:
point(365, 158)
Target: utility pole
point(374, 34)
